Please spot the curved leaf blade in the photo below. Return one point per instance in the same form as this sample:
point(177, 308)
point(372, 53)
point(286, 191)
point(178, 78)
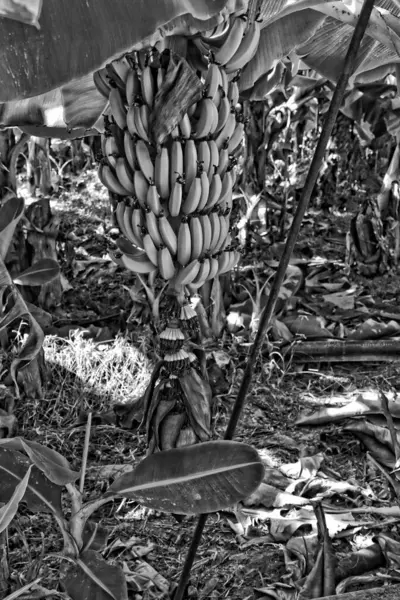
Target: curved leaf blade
point(34, 62)
point(56, 468)
point(41, 495)
point(197, 479)
point(41, 272)
point(10, 213)
point(8, 511)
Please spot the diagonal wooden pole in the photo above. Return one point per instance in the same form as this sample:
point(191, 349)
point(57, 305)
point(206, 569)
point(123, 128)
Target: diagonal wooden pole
point(268, 311)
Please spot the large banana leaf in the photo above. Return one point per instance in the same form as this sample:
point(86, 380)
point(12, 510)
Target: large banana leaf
point(49, 70)
point(46, 73)
point(319, 32)
point(195, 479)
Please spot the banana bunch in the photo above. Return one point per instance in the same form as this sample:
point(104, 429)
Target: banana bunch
point(233, 43)
point(175, 200)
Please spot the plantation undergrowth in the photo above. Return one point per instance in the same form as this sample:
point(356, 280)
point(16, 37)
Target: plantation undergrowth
point(100, 361)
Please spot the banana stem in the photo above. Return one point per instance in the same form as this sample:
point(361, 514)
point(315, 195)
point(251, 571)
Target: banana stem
point(265, 319)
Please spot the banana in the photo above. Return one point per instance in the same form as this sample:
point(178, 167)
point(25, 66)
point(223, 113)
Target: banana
point(227, 261)
point(223, 234)
point(203, 273)
point(203, 155)
point(205, 191)
point(233, 40)
point(113, 77)
point(137, 222)
point(233, 92)
point(185, 127)
point(247, 48)
point(107, 178)
point(224, 82)
point(189, 163)
point(119, 215)
point(124, 175)
point(192, 109)
point(131, 121)
point(150, 249)
point(223, 160)
point(118, 136)
point(175, 198)
point(215, 191)
point(205, 222)
point(202, 46)
point(160, 77)
point(223, 262)
point(214, 158)
point(215, 120)
point(214, 266)
point(141, 187)
point(148, 86)
point(126, 247)
point(161, 173)
point(224, 110)
point(212, 81)
point(140, 121)
point(110, 150)
point(227, 130)
point(137, 264)
point(218, 33)
point(165, 263)
point(134, 238)
point(144, 160)
point(184, 243)
point(175, 133)
point(237, 137)
point(175, 161)
point(207, 119)
point(215, 226)
point(168, 235)
point(153, 200)
point(145, 117)
point(193, 196)
point(225, 199)
point(233, 173)
point(116, 258)
point(133, 87)
point(196, 233)
point(152, 228)
point(122, 68)
point(186, 274)
point(129, 147)
point(101, 83)
point(117, 107)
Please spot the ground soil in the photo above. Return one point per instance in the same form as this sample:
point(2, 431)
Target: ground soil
point(227, 565)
